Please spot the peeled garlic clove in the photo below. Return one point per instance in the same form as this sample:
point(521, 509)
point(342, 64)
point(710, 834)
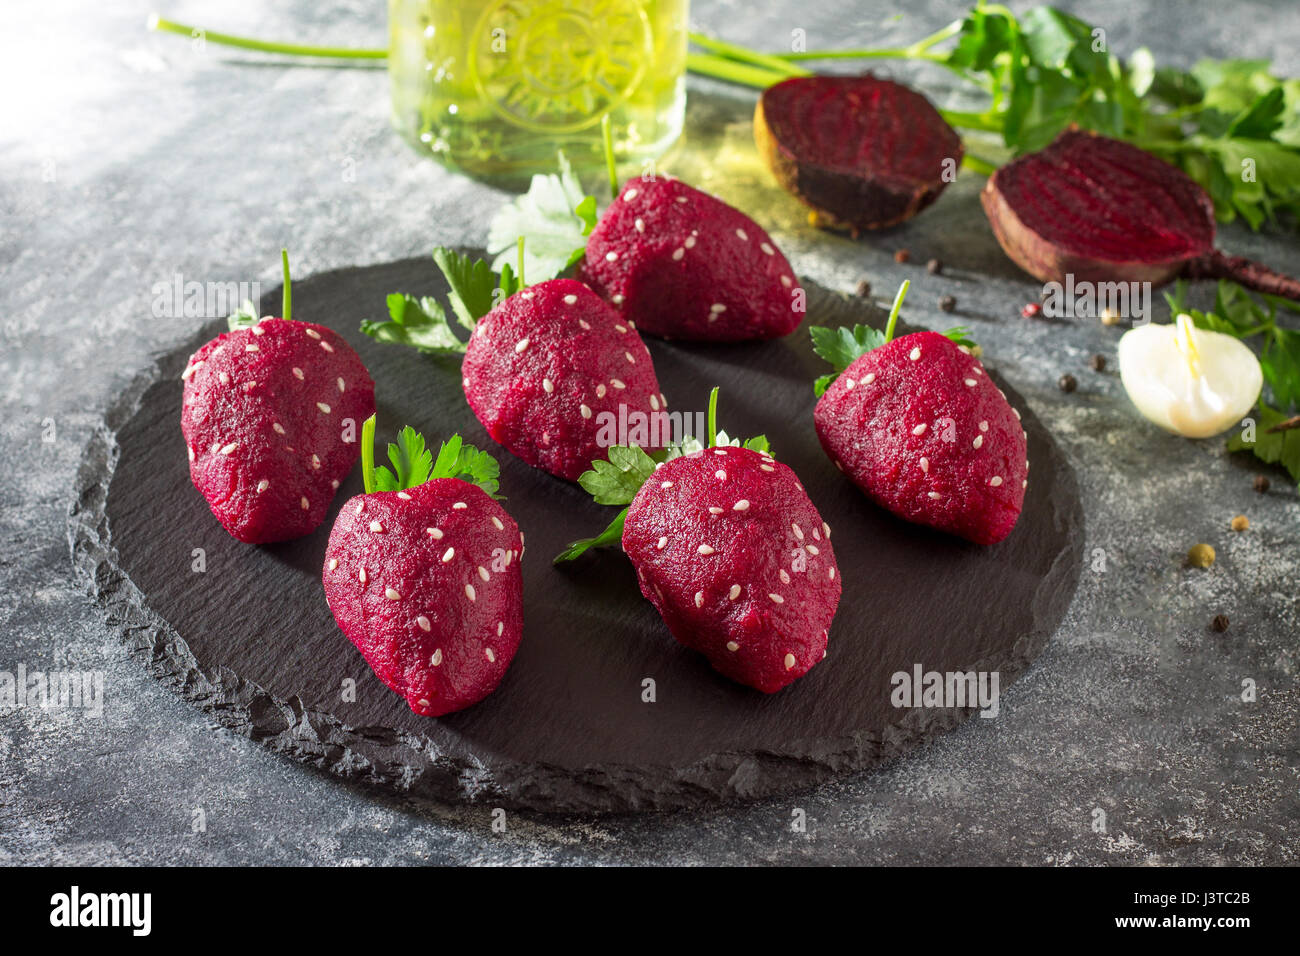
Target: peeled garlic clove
point(1189, 381)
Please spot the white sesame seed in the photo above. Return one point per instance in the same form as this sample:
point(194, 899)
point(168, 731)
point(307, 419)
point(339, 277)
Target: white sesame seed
point(617, 299)
point(483, 573)
point(327, 347)
point(715, 511)
point(297, 373)
point(720, 451)
point(223, 378)
point(868, 378)
point(661, 543)
point(497, 521)
point(717, 307)
point(666, 484)
point(315, 461)
point(935, 494)
point(628, 356)
point(424, 623)
point(404, 496)
point(250, 347)
point(601, 390)
point(629, 195)
point(617, 383)
point(970, 382)
point(734, 592)
point(548, 386)
point(741, 505)
point(830, 573)
point(620, 328)
point(984, 426)
point(191, 452)
point(423, 702)
point(490, 654)
point(521, 345)
point(979, 440)
point(279, 429)
point(342, 388)
point(459, 506)
point(392, 594)
point(611, 257)
point(733, 646)
point(979, 371)
point(334, 563)
point(798, 531)
point(189, 371)
point(963, 349)
point(915, 353)
point(678, 253)
point(585, 411)
point(766, 468)
point(436, 659)
point(786, 281)
point(448, 555)
point(720, 475)
point(690, 242)
point(699, 599)
point(501, 626)
point(995, 481)
point(361, 575)
point(434, 533)
point(570, 299)
point(682, 200)
point(325, 409)
point(704, 549)
point(469, 592)
point(789, 661)
point(741, 235)
point(360, 506)
point(776, 598)
point(334, 484)
point(1017, 411)
point(640, 225)
point(785, 577)
point(313, 333)
point(767, 249)
point(919, 429)
point(306, 505)
point(227, 449)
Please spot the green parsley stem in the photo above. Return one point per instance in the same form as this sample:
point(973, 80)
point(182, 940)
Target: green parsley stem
point(156, 22)
point(368, 454)
point(897, 307)
point(286, 302)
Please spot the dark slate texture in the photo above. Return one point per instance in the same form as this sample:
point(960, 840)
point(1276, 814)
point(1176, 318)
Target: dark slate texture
point(132, 158)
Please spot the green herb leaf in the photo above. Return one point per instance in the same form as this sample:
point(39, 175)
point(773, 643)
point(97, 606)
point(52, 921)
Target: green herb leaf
point(244, 317)
point(473, 285)
point(420, 323)
point(616, 481)
point(555, 216)
point(612, 535)
point(1276, 447)
point(960, 335)
point(410, 460)
point(467, 463)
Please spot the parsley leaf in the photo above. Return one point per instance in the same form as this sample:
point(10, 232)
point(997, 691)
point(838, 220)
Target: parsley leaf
point(1277, 441)
point(555, 217)
point(413, 464)
point(420, 323)
point(616, 481)
point(473, 285)
point(613, 534)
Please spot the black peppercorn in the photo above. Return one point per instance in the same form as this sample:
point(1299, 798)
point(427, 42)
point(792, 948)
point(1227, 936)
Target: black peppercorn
point(1261, 483)
point(1098, 363)
point(1219, 623)
point(947, 303)
point(864, 288)
point(934, 267)
point(1067, 383)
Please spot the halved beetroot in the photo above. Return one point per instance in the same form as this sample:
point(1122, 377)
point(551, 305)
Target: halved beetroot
point(865, 153)
point(1105, 211)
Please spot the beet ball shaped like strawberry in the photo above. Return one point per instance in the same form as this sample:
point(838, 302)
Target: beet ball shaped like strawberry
point(553, 368)
point(270, 412)
point(684, 265)
point(730, 551)
point(422, 574)
point(918, 425)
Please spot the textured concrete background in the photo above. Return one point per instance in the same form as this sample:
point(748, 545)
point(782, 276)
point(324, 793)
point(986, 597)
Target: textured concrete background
point(126, 158)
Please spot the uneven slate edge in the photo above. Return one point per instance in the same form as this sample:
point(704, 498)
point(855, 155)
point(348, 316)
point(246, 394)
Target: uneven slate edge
point(413, 764)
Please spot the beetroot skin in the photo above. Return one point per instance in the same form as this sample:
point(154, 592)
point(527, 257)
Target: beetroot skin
point(923, 431)
point(543, 366)
point(263, 414)
point(735, 558)
point(681, 264)
point(426, 584)
point(865, 153)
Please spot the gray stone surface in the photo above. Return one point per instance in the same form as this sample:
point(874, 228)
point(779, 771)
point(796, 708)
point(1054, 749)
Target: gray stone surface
point(164, 160)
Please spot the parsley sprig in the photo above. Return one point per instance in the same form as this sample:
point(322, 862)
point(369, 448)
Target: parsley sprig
point(842, 345)
point(413, 464)
point(616, 479)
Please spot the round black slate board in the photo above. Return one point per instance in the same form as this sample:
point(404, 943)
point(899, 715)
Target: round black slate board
point(251, 640)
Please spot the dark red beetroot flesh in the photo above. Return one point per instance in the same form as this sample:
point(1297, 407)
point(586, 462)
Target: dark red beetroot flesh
point(1105, 211)
point(866, 153)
